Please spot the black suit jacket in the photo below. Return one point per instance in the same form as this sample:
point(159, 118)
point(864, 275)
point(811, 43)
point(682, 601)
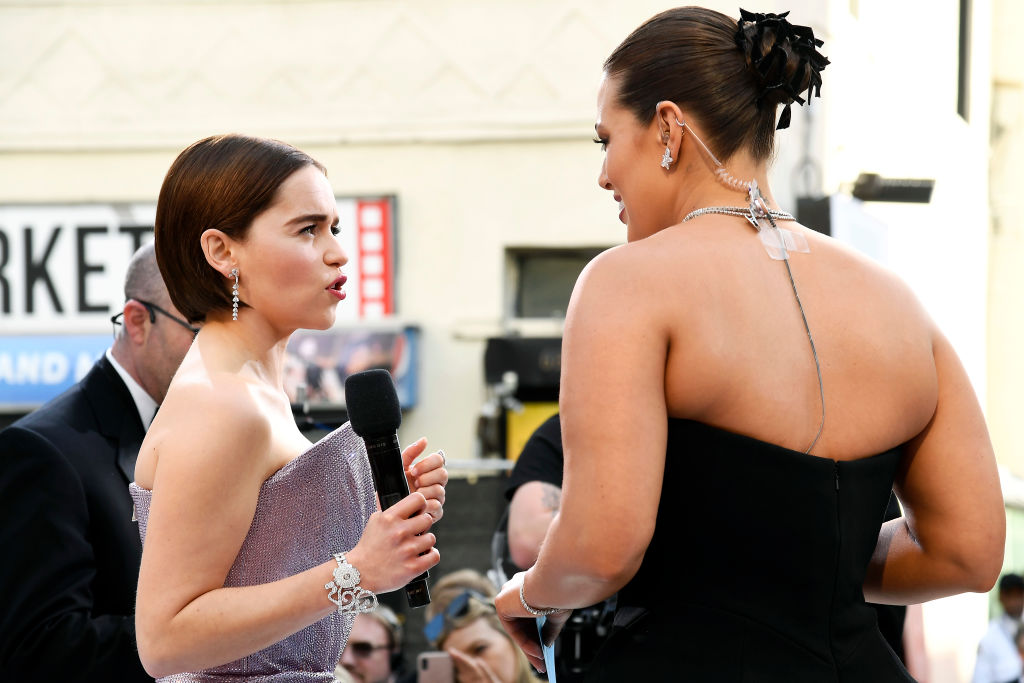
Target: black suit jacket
point(69, 550)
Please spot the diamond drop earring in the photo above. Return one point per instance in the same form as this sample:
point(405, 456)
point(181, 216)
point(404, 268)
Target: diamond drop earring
point(666, 159)
point(234, 295)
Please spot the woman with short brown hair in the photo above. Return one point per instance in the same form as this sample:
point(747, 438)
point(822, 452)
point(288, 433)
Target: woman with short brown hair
point(259, 548)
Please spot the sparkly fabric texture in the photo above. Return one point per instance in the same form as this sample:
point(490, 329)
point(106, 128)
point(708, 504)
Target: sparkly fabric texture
point(315, 505)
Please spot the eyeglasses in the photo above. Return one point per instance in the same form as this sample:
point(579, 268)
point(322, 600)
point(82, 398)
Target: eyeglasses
point(363, 649)
point(456, 609)
point(153, 310)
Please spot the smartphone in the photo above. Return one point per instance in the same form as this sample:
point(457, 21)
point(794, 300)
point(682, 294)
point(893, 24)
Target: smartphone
point(435, 667)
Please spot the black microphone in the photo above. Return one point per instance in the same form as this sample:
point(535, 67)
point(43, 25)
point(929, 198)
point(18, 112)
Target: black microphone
point(375, 416)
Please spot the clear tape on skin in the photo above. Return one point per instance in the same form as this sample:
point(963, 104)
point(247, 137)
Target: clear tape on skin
point(778, 242)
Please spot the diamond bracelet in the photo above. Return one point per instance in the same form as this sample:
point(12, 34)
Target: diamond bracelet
point(345, 591)
point(533, 610)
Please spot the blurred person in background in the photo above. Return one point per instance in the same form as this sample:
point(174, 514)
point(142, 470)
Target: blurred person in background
point(374, 650)
point(462, 622)
point(740, 395)
point(68, 587)
point(1019, 643)
point(259, 548)
point(999, 659)
point(534, 492)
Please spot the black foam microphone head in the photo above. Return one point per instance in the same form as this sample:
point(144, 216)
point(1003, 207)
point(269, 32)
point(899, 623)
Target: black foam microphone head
point(372, 403)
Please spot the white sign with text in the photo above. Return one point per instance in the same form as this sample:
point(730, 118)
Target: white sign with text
point(62, 266)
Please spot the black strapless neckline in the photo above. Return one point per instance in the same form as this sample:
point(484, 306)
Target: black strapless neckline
point(695, 425)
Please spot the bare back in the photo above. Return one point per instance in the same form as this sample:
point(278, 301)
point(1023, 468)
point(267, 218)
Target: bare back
point(739, 356)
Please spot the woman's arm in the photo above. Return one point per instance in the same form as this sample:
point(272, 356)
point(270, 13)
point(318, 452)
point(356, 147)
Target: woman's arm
point(614, 426)
point(952, 534)
point(612, 406)
point(204, 498)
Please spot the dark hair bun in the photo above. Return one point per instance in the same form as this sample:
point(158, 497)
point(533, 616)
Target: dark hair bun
point(727, 76)
point(783, 57)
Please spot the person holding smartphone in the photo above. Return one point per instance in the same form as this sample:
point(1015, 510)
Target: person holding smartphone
point(462, 622)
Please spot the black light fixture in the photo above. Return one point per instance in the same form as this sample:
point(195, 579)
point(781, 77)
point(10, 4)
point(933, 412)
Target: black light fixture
point(815, 213)
point(871, 187)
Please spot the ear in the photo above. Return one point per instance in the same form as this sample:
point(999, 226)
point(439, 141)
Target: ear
point(136, 322)
point(667, 118)
point(219, 251)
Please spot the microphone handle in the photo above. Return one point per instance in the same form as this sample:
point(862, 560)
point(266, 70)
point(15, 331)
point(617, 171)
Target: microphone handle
point(385, 456)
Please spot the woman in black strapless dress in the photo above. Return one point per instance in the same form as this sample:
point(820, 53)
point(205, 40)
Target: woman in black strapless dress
point(739, 520)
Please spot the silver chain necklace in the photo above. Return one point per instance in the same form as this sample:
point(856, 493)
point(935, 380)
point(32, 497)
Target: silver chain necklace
point(737, 211)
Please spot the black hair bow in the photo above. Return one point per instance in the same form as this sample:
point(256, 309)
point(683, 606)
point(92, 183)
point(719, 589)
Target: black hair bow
point(771, 65)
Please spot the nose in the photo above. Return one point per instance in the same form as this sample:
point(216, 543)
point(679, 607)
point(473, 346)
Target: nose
point(602, 177)
point(334, 255)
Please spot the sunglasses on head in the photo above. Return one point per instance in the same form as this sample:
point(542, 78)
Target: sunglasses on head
point(363, 649)
point(456, 609)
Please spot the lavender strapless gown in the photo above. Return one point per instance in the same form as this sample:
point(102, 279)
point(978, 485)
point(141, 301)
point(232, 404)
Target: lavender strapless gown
point(316, 505)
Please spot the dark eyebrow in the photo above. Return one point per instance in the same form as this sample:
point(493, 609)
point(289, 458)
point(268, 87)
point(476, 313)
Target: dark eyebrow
point(312, 218)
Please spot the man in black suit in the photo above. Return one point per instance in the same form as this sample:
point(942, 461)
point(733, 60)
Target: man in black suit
point(70, 549)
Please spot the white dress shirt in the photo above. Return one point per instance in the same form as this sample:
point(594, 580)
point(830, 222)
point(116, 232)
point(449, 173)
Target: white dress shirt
point(144, 403)
point(998, 658)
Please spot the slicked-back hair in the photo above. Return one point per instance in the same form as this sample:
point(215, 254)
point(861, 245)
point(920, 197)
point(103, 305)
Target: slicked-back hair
point(689, 56)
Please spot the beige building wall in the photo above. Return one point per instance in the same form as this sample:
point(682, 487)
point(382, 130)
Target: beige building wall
point(1006, 275)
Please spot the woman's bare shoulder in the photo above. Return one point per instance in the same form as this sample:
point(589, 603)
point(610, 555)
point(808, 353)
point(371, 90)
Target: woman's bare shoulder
point(213, 423)
point(849, 270)
point(627, 267)
point(618, 289)
point(210, 398)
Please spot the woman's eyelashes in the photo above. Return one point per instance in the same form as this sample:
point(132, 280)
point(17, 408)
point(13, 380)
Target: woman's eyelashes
point(603, 142)
point(311, 230)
